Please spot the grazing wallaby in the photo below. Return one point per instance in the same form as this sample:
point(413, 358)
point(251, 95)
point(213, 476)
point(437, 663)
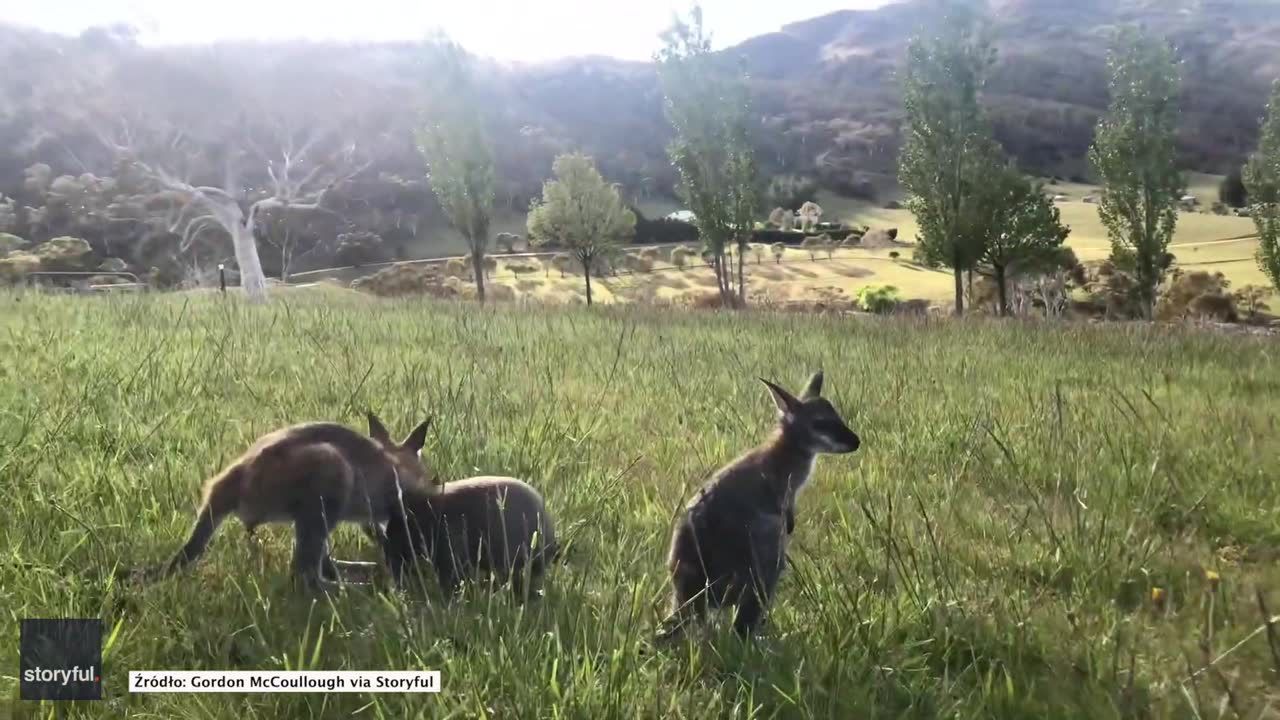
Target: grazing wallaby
point(729, 547)
point(497, 525)
point(314, 475)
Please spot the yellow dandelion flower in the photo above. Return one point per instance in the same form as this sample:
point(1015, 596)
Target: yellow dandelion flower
point(1213, 578)
point(1157, 596)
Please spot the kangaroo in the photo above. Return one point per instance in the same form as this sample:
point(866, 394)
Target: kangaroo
point(314, 475)
point(498, 525)
point(729, 546)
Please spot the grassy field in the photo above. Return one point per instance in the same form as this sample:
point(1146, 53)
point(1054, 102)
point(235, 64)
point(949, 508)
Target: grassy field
point(990, 552)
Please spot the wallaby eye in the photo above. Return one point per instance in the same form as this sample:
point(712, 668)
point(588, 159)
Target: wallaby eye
point(829, 427)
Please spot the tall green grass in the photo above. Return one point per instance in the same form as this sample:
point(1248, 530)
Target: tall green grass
point(990, 552)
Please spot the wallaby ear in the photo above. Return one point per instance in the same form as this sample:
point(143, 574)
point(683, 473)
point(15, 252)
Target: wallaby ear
point(418, 437)
point(377, 430)
point(814, 388)
point(785, 401)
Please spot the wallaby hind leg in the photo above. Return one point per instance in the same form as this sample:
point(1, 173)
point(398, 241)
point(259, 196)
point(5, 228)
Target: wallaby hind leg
point(313, 524)
point(690, 601)
point(755, 588)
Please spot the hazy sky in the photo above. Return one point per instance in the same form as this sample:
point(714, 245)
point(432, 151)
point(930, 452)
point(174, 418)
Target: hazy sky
point(506, 29)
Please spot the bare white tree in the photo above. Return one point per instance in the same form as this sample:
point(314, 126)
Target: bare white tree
point(299, 176)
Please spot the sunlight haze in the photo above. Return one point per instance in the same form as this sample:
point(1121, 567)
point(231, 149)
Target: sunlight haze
point(506, 30)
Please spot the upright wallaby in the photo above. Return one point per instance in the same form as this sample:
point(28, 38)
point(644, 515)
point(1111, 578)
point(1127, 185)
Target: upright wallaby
point(498, 525)
point(729, 547)
point(314, 475)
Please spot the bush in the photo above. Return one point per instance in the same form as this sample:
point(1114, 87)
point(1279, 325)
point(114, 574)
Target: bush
point(457, 267)
point(403, 280)
point(778, 249)
point(636, 264)
point(1251, 300)
point(509, 242)
point(67, 254)
point(1112, 291)
point(359, 248)
point(895, 255)
point(1197, 294)
point(878, 299)
point(518, 268)
point(11, 243)
point(563, 263)
point(681, 255)
point(814, 245)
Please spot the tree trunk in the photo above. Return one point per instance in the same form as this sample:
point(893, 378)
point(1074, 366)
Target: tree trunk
point(586, 273)
point(1002, 290)
point(477, 265)
point(252, 278)
point(742, 285)
point(959, 292)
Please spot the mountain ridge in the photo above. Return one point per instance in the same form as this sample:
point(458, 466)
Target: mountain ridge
point(825, 88)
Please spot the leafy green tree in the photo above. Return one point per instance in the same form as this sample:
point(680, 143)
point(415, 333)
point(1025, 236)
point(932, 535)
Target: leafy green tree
point(708, 106)
point(1262, 176)
point(582, 213)
point(1135, 155)
point(947, 145)
point(457, 152)
point(1025, 229)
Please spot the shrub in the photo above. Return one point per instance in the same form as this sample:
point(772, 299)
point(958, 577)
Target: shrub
point(65, 254)
point(563, 263)
point(507, 241)
point(489, 264)
point(456, 267)
point(1112, 291)
point(11, 243)
point(636, 264)
point(1251, 299)
point(878, 299)
point(359, 248)
point(680, 256)
point(653, 255)
point(517, 267)
point(1196, 294)
point(778, 249)
point(894, 255)
point(1219, 208)
point(402, 280)
point(813, 244)
point(827, 245)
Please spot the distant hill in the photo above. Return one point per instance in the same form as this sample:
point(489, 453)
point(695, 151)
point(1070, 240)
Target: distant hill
point(826, 90)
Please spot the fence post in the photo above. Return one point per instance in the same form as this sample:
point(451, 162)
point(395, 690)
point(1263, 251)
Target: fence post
point(222, 278)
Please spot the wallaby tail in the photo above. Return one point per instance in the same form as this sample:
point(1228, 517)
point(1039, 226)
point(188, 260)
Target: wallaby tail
point(221, 497)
